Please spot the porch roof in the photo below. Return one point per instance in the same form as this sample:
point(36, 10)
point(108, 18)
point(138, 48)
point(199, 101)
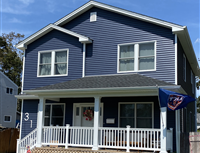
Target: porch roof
point(109, 81)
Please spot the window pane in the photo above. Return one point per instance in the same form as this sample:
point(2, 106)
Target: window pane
point(126, 121)
point(60, 68)
point(45, 69)
point(146, 63)
point(11, 90)
point(57, 121)
point(146, 49)
point(7, 118)
point(47, 110)
point(7, 90)
point(77, 111)
point(144, 110)
point(144, 123)
point(127, 51)
point(61, 56)
point(57, 110)
point(126, 64)
point(45, 58)
point(46, 121)
point(127, 110)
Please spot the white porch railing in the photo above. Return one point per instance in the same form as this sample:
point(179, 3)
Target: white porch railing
point(29, 140)
point(130, 138)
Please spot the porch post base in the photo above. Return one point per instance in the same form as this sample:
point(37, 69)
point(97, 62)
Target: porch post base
point(95, 148)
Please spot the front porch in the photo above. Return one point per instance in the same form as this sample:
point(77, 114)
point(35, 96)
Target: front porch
point(106, 131)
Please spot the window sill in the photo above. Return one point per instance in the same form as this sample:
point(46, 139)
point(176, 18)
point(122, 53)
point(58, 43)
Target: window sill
point(136, 71)
point(52, 75)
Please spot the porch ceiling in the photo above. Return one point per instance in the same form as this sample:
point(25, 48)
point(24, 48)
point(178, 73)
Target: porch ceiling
point(110, 85)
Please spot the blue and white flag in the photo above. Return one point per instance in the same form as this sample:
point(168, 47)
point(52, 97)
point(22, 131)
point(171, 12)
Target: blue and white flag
point(172, 100)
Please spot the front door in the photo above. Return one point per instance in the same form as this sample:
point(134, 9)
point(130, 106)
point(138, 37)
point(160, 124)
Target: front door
point(78, 116)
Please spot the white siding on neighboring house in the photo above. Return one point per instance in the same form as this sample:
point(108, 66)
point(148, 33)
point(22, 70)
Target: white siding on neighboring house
point(8, 102)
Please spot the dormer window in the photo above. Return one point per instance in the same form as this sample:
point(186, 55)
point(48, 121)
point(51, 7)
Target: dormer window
point(136, 57)
point(53, 63)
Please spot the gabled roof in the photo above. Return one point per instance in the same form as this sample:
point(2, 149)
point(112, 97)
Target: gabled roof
point(8, 79)
point(22, 45)
point(181, 31)
point(109, 81)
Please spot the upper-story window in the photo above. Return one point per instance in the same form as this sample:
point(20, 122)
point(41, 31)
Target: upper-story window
point(184, 67)
point(53, 63)
point(136, 57)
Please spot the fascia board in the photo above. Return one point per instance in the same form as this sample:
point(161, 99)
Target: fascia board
point(22, 45)
point(186, 43)
point(97, 90)
point(26, 97)
point(90, 4)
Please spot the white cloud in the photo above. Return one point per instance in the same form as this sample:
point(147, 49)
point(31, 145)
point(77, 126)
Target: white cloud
point(197, 41)
point(8, 9)
point(51, 5)
point(27, 2)
point(15, 20)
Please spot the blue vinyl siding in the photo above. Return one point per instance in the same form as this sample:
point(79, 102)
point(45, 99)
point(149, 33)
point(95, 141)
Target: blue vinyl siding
point(53, 40)
point(112, 29)
point(31, 107)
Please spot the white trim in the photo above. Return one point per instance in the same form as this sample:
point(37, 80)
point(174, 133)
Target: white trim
point(23, 45)
point(93, 16)
point(21, 119)
point(9, 79)
point(136, 56)
point(51, 104)
point(23, 69)
point(184, 60)
point(176, 60)
point(7, 116)
point(135, 110)
point(84, 51)
point(90, 4)
point(52, 62)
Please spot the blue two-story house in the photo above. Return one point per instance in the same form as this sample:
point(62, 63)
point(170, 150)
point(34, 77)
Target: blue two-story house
point(91, 79)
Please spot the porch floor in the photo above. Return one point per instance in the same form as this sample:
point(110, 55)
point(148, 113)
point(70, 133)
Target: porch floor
point(54, 149)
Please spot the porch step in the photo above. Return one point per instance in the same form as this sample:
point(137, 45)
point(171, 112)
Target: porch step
point(80, 150)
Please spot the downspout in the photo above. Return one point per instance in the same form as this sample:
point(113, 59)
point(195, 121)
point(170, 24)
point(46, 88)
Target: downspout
point(177, 112)
point(84, 50)
point(23, 68)
point(20, 133)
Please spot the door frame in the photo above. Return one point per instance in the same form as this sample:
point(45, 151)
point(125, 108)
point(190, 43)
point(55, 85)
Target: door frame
point(86, 105)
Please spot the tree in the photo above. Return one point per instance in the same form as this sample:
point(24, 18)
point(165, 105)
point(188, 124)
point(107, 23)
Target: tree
point(11, 58)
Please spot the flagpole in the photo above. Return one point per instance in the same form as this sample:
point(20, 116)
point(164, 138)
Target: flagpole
point(159, 105)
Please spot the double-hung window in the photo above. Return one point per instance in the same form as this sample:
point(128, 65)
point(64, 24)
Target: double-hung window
point(54, 114)
point(136, 57)
point(137, 115)
point(53, 63)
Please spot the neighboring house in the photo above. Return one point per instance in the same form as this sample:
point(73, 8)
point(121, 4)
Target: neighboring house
point(108, 61)
point(8, 101)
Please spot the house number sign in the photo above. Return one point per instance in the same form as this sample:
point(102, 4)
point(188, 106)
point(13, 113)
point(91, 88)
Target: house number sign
point(27, 118)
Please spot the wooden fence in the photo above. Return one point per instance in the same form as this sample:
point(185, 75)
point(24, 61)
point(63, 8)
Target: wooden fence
point(8, 140)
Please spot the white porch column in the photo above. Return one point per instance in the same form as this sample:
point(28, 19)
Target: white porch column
point(40, 122)
point(96, 122)
point(163, 127)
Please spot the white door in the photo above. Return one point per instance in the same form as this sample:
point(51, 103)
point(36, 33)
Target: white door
point(80, 120)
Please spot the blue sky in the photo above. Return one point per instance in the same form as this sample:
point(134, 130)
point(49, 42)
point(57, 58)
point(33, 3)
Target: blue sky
point(28, 16)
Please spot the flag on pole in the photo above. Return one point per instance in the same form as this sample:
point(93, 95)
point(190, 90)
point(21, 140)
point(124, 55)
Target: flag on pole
point(172, 100)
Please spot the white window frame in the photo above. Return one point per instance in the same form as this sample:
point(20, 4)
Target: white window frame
point(9, 116)
point(50, 117)
point(136, 56)
point(184, 63)
point(9, 90)
point(93, 16)
point(135, 115)
point(52, 62)
point(192, 81)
